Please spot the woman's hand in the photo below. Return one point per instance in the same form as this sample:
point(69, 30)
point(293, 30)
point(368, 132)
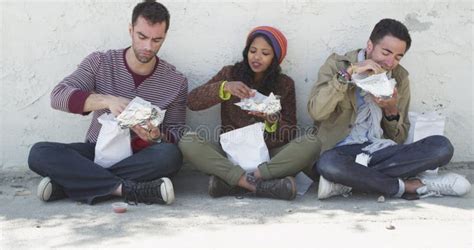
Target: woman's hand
point(239, 89)
point(270, 118)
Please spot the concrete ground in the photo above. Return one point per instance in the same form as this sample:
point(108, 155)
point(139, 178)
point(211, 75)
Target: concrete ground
point(196, 220)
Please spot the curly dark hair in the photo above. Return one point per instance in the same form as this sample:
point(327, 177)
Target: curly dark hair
point(243, 72)
point(152, 11)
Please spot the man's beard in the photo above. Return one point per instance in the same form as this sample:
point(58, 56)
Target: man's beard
point(143, 59)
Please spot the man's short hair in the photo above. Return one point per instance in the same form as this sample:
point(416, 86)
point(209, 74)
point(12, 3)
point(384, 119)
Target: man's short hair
point(390, 27)
point(152, 11)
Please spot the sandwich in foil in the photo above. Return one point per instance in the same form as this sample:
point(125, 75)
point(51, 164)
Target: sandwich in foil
point(379, 85)
point(261, 103)
point(139, 111)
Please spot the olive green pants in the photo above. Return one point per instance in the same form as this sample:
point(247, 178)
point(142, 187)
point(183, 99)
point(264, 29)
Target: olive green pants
point(298, 155)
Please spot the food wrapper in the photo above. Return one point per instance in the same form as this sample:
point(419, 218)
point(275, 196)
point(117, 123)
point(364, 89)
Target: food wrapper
point(139, 111)
point(246, 146)
point(261, 103)
point(378, 85)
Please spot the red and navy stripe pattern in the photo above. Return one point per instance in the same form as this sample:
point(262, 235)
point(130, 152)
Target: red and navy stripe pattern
point(106, 73)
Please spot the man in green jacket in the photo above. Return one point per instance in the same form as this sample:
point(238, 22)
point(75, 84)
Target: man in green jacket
point(362, 136)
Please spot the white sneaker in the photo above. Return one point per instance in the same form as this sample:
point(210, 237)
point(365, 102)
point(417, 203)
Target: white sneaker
point(327, 189)
point(49, 191)
point(167, 190)
point(443, 184)
point(430, 172)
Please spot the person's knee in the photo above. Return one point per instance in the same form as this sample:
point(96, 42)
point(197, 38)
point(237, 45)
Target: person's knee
point(444, 150)
point(328, 165)
point(186, 144)
point(311, 144)
point(173, 155)
point(37, 153)
point(169, 155)
point(305, 149)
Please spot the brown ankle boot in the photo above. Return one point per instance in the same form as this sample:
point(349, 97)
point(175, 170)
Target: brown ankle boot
point(284, 189)
point(218, 188)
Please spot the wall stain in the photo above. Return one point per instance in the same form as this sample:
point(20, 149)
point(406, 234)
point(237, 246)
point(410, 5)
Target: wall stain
point(415, 25)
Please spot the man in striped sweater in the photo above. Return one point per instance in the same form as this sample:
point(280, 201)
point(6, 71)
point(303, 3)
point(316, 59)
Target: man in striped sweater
point(106, 82)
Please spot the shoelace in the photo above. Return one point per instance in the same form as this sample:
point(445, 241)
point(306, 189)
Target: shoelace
point(275, 189)
point(431, 193)
point(146, 191)
point(441, 188)
point(142, 192)
point(128, 192)
point(341, 190)
point(268, 187)
point(127, 198)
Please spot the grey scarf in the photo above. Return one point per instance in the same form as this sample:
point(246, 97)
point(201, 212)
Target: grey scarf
point(367, 124)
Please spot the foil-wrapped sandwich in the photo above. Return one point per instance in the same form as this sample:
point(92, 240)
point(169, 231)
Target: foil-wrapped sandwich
point(261, 103)
point(139, 112)
point(379, 85)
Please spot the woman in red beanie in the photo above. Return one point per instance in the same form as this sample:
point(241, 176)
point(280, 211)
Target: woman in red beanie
point(260, 70)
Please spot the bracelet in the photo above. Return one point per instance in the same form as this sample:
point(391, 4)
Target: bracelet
point(343, 76)
point(223, 94)
point(222, 84)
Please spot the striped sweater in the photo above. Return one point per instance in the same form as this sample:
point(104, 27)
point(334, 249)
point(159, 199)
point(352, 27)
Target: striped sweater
point(107, 73)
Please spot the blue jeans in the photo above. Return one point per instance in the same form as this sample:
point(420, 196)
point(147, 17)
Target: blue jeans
point(72, 167)
point(387, 165)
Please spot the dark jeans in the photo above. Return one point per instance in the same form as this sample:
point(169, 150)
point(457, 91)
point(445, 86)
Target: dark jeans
point(72, 167)
point(386, 166)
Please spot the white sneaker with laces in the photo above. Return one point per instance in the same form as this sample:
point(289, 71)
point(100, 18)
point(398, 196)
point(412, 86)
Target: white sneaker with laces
point(328, 189)
point(443, 184)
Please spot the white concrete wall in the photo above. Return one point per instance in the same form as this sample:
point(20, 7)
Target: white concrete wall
point(43, 41)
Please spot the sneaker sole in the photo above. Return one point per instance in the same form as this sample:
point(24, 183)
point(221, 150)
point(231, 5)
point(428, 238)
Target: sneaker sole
point(167, 191)
point(211, 187)
point(45, 188)
point(322, 190)
point(293, 187)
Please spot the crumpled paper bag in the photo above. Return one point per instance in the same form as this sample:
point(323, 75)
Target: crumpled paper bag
point(425, 124)
point(113, 143)
point(246, 146)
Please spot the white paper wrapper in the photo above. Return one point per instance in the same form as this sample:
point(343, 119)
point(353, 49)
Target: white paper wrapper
point(363, 159)
point(246, 146)
point(139, 111)
point(378, 85)
point(113, 142)
point(261, 103)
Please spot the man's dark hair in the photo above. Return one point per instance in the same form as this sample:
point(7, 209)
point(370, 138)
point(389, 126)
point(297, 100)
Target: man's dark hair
point(390, 27)
point(152, 11)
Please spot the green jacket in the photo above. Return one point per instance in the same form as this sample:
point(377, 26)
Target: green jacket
point(333, 106)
